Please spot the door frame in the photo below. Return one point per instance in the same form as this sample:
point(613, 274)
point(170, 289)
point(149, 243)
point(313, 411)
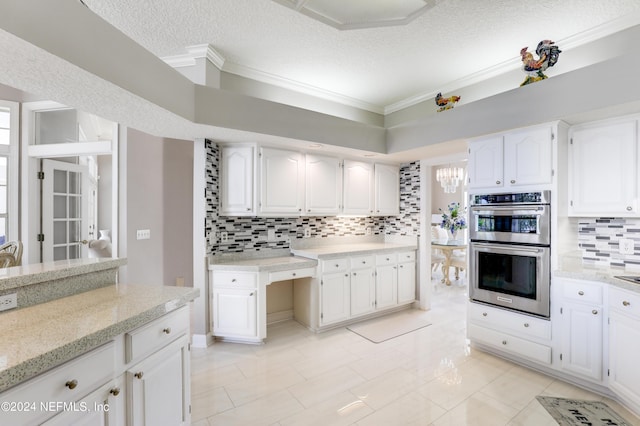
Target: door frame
point(30, 204)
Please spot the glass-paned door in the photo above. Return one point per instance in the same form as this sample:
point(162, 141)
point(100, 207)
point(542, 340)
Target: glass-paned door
point(64, 210)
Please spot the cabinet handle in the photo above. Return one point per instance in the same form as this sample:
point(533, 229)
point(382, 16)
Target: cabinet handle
point(138, 375)
point(504, 342)
point(233, 280)
point(513, 181)
point(625, 303)
point(526, 325)
point(484, 314)
point(498, 182)
point(594, 312)
point(251, 294)
point(115, 391)
point(629, 208)
point(581, 293)
point(166, 330)
point(293, 274)
point(71, 384)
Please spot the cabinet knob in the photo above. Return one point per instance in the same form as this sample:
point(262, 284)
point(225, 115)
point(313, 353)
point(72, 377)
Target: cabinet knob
point(581, 293)
point(299, 210)
point(629, 208)
point(387, 259)
point(513, 181)
point(526, 325)
point(504, 342)
point(309, 210)
point(364, 262)
point(115, 391)
point(166, 330)
point(354, 274)
point(378, 211)
point(251, 294)
point(484, 314)
point(248, 209)
point(625, 303)
point(293, 274)
point(71, 384)
point(346, 275)
point(233, 280)
point(498, 182)
point(337, 266)
point(594, 312)
point(138, 375)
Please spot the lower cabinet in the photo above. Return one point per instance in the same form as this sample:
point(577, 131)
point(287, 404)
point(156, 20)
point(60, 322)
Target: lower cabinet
point(406, 277)
point(335, 297)
point(142, 377)
point(234, 305)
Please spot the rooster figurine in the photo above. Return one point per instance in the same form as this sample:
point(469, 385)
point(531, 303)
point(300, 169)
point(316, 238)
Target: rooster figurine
point(446, 103)
point(548, 54)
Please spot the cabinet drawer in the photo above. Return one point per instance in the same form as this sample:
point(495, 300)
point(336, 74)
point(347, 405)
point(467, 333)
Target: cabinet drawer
point(335, 265)
point(507, 321)
point(157, 334)
point(361, 262)
point(407, 256)
point(291, 274)
point(69, 382)
point(624, 301)
point(510, 344)
point(234, 279)
point(386, 259)
point(582, 291)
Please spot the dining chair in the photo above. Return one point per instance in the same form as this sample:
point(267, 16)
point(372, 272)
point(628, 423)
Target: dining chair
point(14, 248)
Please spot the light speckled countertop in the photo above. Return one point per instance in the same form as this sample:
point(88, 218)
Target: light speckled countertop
point(268, 264)
point(572, 267)
point(353, 249)
point(37, 338)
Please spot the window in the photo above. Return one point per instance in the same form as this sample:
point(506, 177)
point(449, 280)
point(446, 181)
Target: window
point(8, 171)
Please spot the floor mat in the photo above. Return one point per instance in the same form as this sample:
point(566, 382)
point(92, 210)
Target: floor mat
point(381, 329)
point(573, 412)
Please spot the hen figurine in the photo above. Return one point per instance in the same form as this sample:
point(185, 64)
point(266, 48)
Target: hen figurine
point(446, 103)
point(548, 54)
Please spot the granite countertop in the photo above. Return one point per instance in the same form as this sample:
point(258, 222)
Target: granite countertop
point(353, 249)
point(37, 338)
point(266, 264)
point(571, 266)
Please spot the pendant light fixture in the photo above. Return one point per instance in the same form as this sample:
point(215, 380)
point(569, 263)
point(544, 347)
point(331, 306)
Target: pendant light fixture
point(449, 178)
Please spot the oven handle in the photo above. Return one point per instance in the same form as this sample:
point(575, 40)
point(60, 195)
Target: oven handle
point(510, 248)
point(483, 210)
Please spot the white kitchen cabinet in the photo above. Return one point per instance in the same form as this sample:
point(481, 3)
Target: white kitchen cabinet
point(603, 169)
point(363, 285)
point(387, 190)
point(323, 185)
point(386, 283)
point(281, 182)
point(515, 159)
point(234, 307)
point(358, 194)
point(335, 298)
point(406, 277)
point(582, 322)
point(237, 181)
point(624, 345)
point(158, 387)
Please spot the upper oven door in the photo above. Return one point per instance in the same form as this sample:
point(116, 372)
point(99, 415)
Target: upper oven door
point(511, 224)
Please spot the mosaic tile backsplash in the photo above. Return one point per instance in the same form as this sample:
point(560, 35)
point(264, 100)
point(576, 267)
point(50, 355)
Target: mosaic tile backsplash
point(598, 239)
point(247, 234)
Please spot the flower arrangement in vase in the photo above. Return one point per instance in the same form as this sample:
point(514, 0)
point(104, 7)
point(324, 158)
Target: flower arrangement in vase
point(454, 220)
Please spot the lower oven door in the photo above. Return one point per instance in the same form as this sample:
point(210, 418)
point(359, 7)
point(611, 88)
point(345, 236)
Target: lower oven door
point(512, 276)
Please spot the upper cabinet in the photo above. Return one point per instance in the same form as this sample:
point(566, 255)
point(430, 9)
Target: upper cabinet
point(512, 160)
point(237, 196)
point(281, 182)
point(603, 169)
point(323, 184)
point(358, 188)
point(262, 181)
point(387, 190)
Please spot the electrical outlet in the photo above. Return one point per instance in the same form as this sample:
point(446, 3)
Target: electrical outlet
point(626, 246)
point(224, 237)
point(8, 301)
point(143, 234)
point(307, 232)
point(367, 231)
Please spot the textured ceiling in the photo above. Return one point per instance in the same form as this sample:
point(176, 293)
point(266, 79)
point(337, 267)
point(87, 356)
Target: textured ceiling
point(447, 47)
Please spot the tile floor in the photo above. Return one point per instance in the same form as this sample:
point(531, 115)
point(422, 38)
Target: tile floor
point(428, 377)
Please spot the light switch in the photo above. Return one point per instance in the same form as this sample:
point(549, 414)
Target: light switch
point(143, 234)
point(626, 246)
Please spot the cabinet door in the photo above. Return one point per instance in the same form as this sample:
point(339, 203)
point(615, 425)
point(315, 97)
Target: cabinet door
point(485, 163)
point(104, 407)
point(624, 346)
point(602, 163)
point(237, 180)
point(334, 298)
point(235, 312)
point(582, 339)
point(281, 181)
point(527, 157)
point(386, 286)
point(358, 188)
point(406, 282)
point(387, 190)
point(323, 184)
point(158, 387)
point(363, 292)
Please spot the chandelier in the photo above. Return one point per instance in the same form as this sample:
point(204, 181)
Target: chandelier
point(449, 178)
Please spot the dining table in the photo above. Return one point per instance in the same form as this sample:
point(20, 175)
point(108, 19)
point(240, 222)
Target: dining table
point(447, 247)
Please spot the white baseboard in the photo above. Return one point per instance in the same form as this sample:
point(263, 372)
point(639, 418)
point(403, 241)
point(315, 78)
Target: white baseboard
point(201, 340)
point(279, 316)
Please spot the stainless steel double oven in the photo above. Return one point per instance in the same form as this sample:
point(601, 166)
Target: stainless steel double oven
point(509, 249)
